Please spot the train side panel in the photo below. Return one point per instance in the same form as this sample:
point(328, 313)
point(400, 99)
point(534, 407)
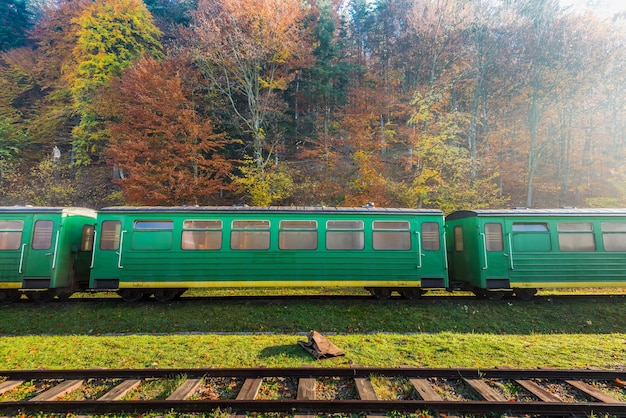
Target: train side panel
point(177, 248)
point(530, 249)
point(39, 250)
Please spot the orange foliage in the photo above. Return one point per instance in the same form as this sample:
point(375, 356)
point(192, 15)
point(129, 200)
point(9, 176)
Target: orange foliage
point(167, 152)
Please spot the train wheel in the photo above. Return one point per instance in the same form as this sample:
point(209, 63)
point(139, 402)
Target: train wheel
point(64, 295)
point(131, 295)
point(41, 297)
point(379, 292)
point(525, 294)
point(411, 293)
point(166, 295)
point(9, 296)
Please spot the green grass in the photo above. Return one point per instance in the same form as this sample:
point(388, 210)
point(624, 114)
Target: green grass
point(431, 332)
point(444, 349)
point(544, 315)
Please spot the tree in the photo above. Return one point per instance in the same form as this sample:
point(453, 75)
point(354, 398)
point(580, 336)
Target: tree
point(15, 21)
point(249, 49)
point(166, 152)
point(111, 35)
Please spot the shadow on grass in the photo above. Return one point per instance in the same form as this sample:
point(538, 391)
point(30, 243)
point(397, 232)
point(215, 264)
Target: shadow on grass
point(290, 351)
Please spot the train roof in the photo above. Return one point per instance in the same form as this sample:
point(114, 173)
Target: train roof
point(270, 209)
point(461, 214)
point(48, 209)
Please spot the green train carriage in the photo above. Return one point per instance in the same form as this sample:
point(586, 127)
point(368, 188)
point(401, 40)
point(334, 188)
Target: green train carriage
point(44, 251)
point(494, 252)
point(163, 251)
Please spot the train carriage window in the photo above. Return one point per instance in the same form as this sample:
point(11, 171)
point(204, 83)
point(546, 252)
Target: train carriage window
point(42, 235)
point(11, 234)
point(297, 235)
point(110, 239)
point(430, 236)
point(458, 239)
point(531, 237)
point(345, 235)
point(250, 235)
point(86, 241)
point(493, 237)
point(152, 235)
point(153, 225)
point(576, 236)
point(614, 236)
point(202, 235)
point(391, 235)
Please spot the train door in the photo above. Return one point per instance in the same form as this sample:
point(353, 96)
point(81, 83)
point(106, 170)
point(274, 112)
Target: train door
point(107, 255)
point(432, 255)
point(494, 256)
point(39, 257)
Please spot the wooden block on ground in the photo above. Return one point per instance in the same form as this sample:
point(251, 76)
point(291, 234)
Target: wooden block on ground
point(593, 392)
point(484, 390)
point(120, 390)
point(9, 384)
point(58, 391)
point(538, 391)
point(185, 390)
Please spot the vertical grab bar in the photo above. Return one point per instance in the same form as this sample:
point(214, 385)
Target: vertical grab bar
point(93, 248)
point(511, 253)
point(419, 249)
point(56, 248)
point(19, 269)
point(119, 259)
point(485, 250)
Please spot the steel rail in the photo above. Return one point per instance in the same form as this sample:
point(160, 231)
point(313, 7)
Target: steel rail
point(545, 404)
point(448, 373)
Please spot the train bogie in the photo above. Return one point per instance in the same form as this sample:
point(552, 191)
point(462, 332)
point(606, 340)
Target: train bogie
point(141, 251)
point(44, 251)
point(521, 250)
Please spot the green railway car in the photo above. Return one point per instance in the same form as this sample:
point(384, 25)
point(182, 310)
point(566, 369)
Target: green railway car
point(493, 252)
point(163, 251)
point(44, 251)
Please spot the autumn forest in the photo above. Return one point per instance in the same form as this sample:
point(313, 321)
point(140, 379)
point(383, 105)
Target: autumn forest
point(444, 104)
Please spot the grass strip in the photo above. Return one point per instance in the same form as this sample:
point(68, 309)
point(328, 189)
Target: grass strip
point(445, 349)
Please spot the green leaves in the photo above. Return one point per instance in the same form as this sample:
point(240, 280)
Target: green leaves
point(111, 35)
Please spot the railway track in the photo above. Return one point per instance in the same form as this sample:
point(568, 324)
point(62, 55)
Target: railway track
point(302, 392)
point(425, 299)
